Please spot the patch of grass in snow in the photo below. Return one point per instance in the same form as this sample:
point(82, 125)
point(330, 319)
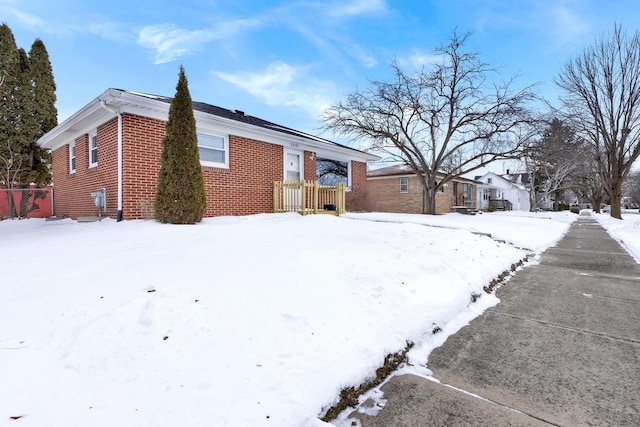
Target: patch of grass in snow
point(349, 396)
point(499, 281)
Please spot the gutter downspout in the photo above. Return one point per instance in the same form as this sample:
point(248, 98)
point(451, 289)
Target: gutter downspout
point(104, 105)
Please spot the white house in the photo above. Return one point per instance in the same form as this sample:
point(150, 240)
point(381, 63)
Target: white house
point(503, 187)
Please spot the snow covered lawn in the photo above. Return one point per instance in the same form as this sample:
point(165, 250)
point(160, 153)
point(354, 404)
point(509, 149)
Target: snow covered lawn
point(237, 321)
point(627, 231)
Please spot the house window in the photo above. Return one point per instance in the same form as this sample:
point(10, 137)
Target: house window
point(93, 150)
point(213, 150)
point(72, 157)
point(489, 180)
point(404, 185)
point(332, 172)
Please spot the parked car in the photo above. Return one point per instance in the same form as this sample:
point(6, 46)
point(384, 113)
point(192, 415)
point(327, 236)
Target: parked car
point(575, 208)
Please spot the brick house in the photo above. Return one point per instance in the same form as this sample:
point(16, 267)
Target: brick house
point(115, 143)
point(397, 189)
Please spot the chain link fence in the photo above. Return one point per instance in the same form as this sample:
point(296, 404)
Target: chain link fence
point(26, 203)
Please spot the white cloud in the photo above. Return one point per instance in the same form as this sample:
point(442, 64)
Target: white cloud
point(34, 23)
point(171, 42)
point(568, 26)
point(357, 8)
point(360, 53)
point(418, 59)
point(282, 84)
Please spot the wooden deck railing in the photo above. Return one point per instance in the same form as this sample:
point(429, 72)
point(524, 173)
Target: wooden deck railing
point(500, 205)
point(308, 197)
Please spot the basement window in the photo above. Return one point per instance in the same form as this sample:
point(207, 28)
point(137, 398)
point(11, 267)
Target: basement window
point(213, 150)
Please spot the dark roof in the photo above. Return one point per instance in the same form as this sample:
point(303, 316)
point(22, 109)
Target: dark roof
point(404, 169)
point(391, 170)
point(240, 116)
point(518, 178)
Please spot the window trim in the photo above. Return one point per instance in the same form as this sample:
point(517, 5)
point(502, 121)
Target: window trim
point(72, 158)
point(404, 184)
point(225, 150)
point(93, 135)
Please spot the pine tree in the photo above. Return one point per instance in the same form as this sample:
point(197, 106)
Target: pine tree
point(10, 155)
point(44, 110)
point(27, 111)
point(180, 195)
point(44, 87)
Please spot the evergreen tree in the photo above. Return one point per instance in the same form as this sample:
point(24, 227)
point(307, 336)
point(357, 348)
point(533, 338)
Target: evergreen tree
point(9, 71)
point(180, 195)
point(44, 87)
point(10, 155)
point(27, 111)
point(45, 113)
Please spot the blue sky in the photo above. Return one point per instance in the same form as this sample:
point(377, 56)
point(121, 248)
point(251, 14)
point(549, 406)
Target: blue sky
point(285, 61)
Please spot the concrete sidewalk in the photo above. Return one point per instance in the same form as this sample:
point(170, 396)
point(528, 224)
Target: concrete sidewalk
point(562, 348)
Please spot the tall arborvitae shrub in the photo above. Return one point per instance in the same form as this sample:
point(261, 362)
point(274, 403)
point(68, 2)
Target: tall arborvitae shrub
point(180, 196)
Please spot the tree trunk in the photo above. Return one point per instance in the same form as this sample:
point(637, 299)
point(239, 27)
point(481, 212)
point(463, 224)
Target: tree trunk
point(11, 206)
point(615, 198)
point(429, 199)
point(595, 203)
point(616, 212)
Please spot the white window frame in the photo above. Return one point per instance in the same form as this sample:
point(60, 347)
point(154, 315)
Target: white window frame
point(72, 157)
point(404, 183)
point(225, 150)
point(93, 136)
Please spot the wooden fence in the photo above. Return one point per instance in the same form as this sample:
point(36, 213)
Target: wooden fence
point(308, 197)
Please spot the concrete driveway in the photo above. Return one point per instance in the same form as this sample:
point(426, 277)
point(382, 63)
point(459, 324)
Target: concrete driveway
point(562, 348)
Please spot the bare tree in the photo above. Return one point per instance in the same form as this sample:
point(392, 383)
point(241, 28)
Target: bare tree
point(11, 165)
point(444, 122)
point(552, 160)
point(602, 97)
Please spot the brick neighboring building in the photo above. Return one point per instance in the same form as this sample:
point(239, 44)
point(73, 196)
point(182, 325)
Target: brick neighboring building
point(397, 189)
point(115, 142)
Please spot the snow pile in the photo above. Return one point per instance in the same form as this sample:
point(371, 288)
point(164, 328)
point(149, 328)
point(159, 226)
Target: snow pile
point(625, 231)
point(237, 321)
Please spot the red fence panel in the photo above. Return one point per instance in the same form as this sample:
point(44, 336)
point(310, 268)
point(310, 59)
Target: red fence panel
point(33, 202)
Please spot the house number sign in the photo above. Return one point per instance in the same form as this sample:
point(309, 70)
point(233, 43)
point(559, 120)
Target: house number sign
point(295, 145)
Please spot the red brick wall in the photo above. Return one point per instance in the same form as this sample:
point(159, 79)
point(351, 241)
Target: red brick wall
point(73, 190)
point(245, 188)
point(141, 151)
point(358, 198)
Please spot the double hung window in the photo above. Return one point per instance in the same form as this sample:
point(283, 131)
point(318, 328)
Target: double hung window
point(93, 150)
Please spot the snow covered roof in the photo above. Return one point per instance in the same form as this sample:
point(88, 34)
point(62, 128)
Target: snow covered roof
point(405, 169)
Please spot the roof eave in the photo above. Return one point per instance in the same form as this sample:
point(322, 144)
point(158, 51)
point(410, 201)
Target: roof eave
point(93, 114)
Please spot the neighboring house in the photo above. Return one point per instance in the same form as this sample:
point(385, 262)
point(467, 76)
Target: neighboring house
point(397, 189)
point(115, 143)
point(495, 189)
